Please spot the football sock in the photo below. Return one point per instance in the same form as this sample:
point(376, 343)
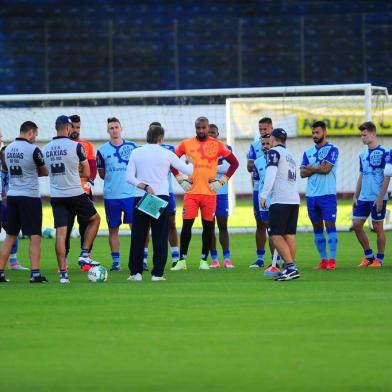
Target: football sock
point(226, 254)
point(321, 243)
point(206, 238)
point(145, 256)
point(175, 254)
point(260, 254)
point(36, 273)
point(13, 259)
point(369, 254)
point(380, 256)
point(84, 252)
point(214, 255)
point(63, 274)
point(116, 257)
point(2, 275)
point(332, 242)
point(290, 266)
point(185, 236)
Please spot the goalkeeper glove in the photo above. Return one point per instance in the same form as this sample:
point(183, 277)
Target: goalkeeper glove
point(217, 183)
point(186, 184)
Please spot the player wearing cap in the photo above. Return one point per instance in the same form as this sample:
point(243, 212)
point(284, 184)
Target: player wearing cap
point(222, 211)
point(87, 183)
point(67, 162)
point(201, 187)
point(280, 183)
point(319, 166)
point(118, 194)
point(25, 164)
point(255, 152)
point(370, 197)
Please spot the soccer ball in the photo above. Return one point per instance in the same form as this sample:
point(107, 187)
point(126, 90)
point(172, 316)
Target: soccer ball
point(97, 274)
point(48, 232)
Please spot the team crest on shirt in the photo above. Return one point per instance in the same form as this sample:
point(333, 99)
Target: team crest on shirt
point(375, 158)
point(209, 150)
point(322, 153)
point(123, 153)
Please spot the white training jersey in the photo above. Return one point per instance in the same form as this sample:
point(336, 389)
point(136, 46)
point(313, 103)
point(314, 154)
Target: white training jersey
point(22, 159)
point(281, 177)
point(62, 157)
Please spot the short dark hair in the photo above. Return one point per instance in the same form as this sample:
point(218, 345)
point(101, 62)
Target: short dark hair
point(113, 119)
point(319, 124)
point(27, 126)
point(265, 120)
point(368, 126)
point(74, 118)
point(214, 126)
point(155, 123)
point(60, 127)
point(201, 119)
point(154, 133)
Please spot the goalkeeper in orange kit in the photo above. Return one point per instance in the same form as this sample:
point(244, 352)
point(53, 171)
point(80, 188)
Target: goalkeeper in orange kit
point(200, 188)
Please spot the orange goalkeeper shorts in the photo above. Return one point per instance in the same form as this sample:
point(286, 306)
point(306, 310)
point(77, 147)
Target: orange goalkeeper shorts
point(192, 204)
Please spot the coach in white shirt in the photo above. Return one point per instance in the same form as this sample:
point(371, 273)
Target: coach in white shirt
point(280, 182)
point(148, 170)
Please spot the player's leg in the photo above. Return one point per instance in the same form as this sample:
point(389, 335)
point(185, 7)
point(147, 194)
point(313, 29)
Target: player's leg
point(213, 250)
point(82, 206)
point(173, 236)
point(159, 234)
point(5, 252)
point(113, 219)
point(189, 213)
point(31, 219)
point(261, 233)
point(61, 219)
point(328, 205)
point(378, 226)
point(360, 213)
point(70, 225)
point(224, 241)
point(283, 228)
point(207, 205)
point(315, 216)
point(141, 226)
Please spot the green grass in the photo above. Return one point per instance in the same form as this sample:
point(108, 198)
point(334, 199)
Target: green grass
point(241, 217)
point(201, 330)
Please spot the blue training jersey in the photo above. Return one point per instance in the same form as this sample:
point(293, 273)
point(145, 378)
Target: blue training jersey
point(255, 151)
point(321, 184)
point(371, 166)
point(170, 148)
point(221, 162)
point(114, 159)
point(260, 169)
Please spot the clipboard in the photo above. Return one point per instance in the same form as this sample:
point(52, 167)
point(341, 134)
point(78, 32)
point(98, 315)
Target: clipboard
point(151, 205)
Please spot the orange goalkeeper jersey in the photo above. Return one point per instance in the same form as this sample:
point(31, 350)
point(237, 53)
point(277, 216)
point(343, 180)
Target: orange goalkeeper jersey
point(90, 155)
point(205, 155)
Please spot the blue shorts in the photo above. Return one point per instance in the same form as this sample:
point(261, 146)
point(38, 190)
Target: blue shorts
point(172, 204)
point(365, 208)
point(114, 208)
point(222, 206)
point(322, 208)
point(256, 206)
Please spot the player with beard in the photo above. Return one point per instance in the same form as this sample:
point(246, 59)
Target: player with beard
point(201, 187)
point(319, 166)
point(86, 183)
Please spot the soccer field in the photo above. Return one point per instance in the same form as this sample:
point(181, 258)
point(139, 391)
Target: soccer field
point(218, 330)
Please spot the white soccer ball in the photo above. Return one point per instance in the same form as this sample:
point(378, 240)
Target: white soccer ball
point(97, 274)
point(49, 232)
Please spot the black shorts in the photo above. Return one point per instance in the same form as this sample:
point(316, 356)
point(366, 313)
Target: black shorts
point(24, 213)
point(283, 219)
point(66, 207)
